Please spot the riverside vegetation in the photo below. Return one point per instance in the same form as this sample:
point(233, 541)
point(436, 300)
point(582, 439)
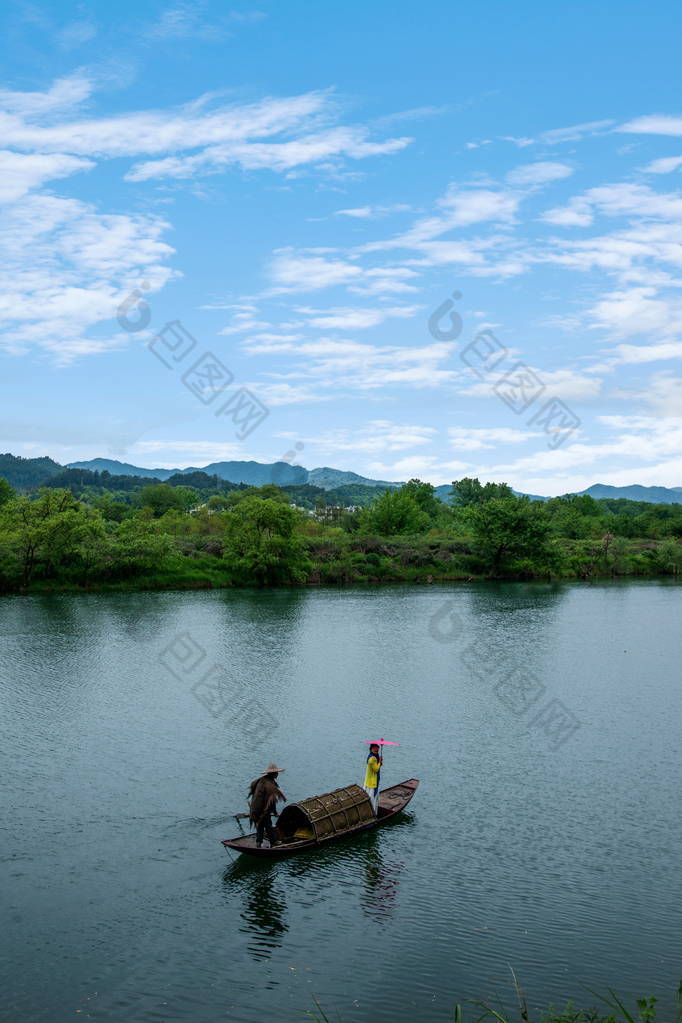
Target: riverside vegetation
point(646, 1011)
point(94, 531)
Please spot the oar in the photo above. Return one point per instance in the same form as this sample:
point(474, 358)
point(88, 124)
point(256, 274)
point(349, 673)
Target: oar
point(239, 817)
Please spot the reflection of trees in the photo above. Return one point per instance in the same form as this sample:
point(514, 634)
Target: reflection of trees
point(263, 909)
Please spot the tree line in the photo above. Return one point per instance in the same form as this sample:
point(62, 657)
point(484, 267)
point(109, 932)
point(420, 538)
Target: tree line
point(215, 533)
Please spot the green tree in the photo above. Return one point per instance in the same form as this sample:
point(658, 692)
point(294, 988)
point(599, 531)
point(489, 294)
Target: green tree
point(669, 556)
point(576, 516)
point(218, 503)
point(6, 491)
point(469, 492)
point(111, 509)
point(394, 513)
point(425, 496)
point(513, 529)
point(161, 497)
point(261, 545)
point(47, 537)
point(138, 546)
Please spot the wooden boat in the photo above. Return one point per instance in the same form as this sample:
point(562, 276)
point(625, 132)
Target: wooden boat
point(321, 819)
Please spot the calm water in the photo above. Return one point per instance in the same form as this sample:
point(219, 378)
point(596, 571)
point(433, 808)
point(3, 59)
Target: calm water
point(562, 860)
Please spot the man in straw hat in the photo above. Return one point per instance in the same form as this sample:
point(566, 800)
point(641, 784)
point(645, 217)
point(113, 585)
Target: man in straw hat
point(264, 794)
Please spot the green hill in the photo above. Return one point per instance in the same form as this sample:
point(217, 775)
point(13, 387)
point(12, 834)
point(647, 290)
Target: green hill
point(27, 473)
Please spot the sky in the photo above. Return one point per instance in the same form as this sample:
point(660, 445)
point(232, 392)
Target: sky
point(426, 240)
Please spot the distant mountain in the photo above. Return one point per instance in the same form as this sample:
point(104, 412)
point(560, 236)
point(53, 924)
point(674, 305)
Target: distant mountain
point(115, 468)
point(27, 474)
point(330, 479)
point(257, 474)
point(654, 495)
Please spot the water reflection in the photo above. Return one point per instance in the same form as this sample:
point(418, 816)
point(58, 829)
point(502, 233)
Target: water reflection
point(264, 906)
point(352, 866)
point(381, 878)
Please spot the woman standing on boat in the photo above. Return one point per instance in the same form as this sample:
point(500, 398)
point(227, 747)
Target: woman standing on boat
point(373, 774)
point(264, 794)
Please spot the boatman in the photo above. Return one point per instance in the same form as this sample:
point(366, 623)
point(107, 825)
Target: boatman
point(373, 774)
point(264, 794)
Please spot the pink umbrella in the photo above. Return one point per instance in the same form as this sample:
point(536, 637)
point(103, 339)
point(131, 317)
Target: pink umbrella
point(380, 742)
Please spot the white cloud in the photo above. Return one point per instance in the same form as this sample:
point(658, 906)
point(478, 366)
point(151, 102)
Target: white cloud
point(180, 454)
point(339, 366)
point(575, 132)
point(462, 207)
point(578, 213)
point(243, 322)
point(292, 271)
point(428, 468)
point(248, 134)
point(637, 354)
point(20, 173)
point(555, 136)
point(355, 319)
point(189, 21)
point(653, 124)
point(62, 94)
point(372, 212)
point(664, 165)
point(637, 311)
point(664, 396)
point(477, 438)
point(614, 200)
point(538, 173)
point(67, 268)
point(378, 435)
point(279, 394)
point(277, 156)
point(643, 449)
point(385, 280)
point(567, 384)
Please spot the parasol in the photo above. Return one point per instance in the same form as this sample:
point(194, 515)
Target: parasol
point(380, 742)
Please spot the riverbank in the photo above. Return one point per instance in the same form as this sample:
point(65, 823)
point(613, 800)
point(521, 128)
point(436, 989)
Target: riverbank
point(58, 542)
point(372, 561)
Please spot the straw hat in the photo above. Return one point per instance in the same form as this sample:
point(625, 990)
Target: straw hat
point(273, 769)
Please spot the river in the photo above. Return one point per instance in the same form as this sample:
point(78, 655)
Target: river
point(544, 722)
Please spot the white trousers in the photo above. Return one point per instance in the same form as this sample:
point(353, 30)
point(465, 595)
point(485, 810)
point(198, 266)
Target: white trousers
point(374, 796)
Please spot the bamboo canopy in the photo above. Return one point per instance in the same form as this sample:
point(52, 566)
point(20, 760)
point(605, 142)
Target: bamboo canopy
point(327, 815)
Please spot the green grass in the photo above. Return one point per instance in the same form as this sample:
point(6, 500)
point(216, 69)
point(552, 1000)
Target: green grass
point(644, 1011)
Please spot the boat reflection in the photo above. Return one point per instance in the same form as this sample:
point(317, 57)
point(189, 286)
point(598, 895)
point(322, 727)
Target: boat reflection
point(264, 907)
point(355, 865)
point(381, 878)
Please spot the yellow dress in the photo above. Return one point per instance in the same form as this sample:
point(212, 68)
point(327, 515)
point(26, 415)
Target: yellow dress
point(372, 773)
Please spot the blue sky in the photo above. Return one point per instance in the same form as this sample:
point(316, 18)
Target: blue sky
point(299, 188)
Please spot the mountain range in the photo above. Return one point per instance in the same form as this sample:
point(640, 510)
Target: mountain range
point(255, 474)
point(25, 473)
point(259, 473)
